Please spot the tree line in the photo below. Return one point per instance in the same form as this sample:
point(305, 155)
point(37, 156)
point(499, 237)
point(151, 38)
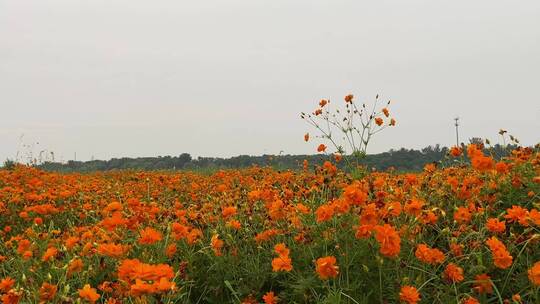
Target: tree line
point(400, 160)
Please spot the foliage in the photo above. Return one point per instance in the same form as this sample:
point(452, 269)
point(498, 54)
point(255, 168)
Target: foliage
point(403, 160)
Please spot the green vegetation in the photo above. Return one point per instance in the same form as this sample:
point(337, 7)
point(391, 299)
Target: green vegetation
point(401, 160)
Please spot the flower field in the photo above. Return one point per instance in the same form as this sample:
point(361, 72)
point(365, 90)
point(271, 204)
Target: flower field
point(456, 233)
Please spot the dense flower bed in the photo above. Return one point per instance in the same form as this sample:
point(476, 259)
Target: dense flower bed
point(453, 234)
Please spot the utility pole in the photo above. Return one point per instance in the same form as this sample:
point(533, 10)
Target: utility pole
point(457, 133)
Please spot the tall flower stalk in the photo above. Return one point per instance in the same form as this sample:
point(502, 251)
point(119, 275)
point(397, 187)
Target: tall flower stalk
point(350, 129)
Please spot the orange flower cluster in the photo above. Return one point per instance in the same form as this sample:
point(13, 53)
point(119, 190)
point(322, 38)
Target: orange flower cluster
point(145, 278)
point(282, 262)
point(89, 294)
point(429, 255)
point(453, 273)
point(501, 257)
point(478, 160)
point(389, 240)
point(534, 274)
point(179, 236)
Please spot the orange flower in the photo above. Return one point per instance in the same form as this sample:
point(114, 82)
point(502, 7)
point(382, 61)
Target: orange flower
point(234, 224)
point(327, 268)
point(12, 297)
point(470, 300)
point(282, 263)
point(453, 273)
point(149, 236)
point(321, 148)
point(457, 249)
point(534, 274)
point(386, 112)
point(71, 242)
point(414, 207)
point(6, 284)
point(534, 216)
point(495, 226)
point(306, 137)
point(462, 215)
point(501, 167)
point(482, 284)
point(47, 292)
point(389, 240)
point(49, 254)
point(131, 269)
point(270, 298)
point(228, 211)
point(379, 121)
point(409, 295)
point(323, 102)
point(456, 151)
point(517, 214)
point(501, 257)
point(23, 246)
point(170, 250)
point(112, 250)
point(75, 266)
point(364, 231)
point(88, 293)
point(216, 244)
point(349, 98)
point(324, 212)
point(281, 249)
point(429, 255)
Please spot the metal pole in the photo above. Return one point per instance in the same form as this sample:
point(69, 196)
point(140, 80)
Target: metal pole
point(457, 133)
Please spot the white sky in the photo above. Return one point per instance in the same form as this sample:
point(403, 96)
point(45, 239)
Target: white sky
point(113, 78)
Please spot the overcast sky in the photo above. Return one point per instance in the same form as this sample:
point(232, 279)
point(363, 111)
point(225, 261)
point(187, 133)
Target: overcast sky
point(113, 78)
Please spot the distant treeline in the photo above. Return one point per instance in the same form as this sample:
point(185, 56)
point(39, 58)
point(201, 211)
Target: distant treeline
point(401, 160)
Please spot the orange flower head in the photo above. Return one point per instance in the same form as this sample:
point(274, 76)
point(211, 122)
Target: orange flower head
point(482, 284)
point(429, 255)
point(216, 244)
point(409, 295)
point(281, 249)
point(327, 268)
point(501, 257)
point(453, 273)
point(6, 284)
point(270, 298)
point(75, 266)
point(228, 211)
point(49, 254)
point(534, 274)
point(47, 292)
point(282, 263)
point(149, 236)
point(470, 300)
point(88, 293)
point(495, 226)
point(389, 240)
point(456, 151)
